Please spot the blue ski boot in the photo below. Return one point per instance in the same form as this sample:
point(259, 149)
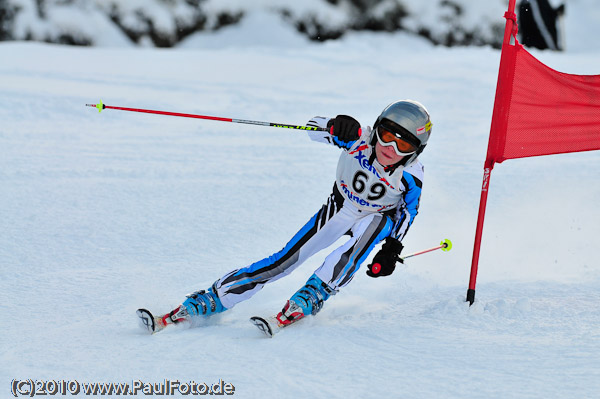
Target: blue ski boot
point(200, 303)
point(203, 303)
point(307, 300)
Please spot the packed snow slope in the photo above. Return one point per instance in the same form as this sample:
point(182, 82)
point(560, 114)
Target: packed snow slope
point(105, 213)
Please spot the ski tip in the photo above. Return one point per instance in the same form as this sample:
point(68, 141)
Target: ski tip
point(263, 325)
point(146, 320)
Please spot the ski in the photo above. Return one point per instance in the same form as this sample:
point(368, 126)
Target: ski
point(154, 324)
point(267, 325)
point(147, 321)
point(270, 326)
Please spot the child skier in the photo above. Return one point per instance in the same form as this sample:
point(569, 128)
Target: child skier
point(375, 197)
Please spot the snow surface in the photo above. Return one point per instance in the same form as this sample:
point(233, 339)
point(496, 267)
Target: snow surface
point(105, 213)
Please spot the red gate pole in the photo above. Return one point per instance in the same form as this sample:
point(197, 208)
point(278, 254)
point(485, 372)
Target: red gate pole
point(497, 134)
point(479, 231)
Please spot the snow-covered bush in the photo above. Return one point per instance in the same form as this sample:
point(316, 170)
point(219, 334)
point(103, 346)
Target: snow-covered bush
point(165, 23)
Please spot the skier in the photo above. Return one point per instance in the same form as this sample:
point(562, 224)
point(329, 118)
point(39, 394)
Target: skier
point(375, 197)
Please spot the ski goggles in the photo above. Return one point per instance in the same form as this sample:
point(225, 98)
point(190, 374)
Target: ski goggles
point(400, 144)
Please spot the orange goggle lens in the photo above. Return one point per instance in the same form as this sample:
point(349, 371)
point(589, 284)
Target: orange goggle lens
point(390, 138)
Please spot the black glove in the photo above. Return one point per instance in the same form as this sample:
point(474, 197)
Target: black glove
point(344, 127)
point(384, 262)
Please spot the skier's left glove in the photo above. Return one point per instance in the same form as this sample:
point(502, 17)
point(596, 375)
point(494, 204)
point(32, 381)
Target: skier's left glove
point(344, 127)
point(384, 262)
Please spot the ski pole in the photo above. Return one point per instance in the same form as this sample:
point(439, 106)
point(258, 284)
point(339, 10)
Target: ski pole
point(100, 106)
point(445, 245)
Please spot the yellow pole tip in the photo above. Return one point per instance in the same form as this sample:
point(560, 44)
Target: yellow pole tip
point(447, 245)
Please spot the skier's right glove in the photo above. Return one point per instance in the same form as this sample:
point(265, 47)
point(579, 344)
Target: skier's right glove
point(344, 127)
point(384, 262)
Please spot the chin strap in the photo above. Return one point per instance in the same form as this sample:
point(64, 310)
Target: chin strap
point(392, 168)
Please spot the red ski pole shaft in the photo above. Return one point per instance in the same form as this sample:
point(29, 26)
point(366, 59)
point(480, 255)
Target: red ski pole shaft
point(100, 106)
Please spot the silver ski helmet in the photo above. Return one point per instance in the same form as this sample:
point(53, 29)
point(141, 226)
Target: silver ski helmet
point(410, 121)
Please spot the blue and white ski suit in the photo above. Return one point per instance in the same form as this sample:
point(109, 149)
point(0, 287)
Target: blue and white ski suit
point(369, 202)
